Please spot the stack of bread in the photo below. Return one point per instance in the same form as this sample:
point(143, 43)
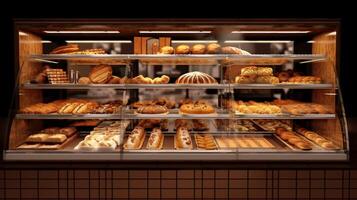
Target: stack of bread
point(261, 75)
point(106, 136)
point(49, 138)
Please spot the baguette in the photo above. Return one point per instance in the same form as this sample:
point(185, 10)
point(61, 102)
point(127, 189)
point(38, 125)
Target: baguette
point(183, 139)
point(135, 139)
point(156, 139)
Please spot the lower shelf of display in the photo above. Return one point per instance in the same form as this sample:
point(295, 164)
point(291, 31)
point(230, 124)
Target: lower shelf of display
point(173, 116)
point(178, 86)
point(218, 155)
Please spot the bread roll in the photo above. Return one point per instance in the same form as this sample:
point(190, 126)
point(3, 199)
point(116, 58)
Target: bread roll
point(213, 48)
point(182, 49)
point(166, 50)
point(234, 50)
point(84, 80)
point(156, 139)
point(198, 49)
point(183, 139)
point(135, 139)
point(114, 80)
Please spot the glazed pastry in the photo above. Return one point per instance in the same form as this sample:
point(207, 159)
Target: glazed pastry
point(152, 109)
point(267, 80)
point(197, 108)
point(198, 49)
point(100, 74)
point(182, 49)
point(213, 48)
point(135, 139)
point(272, 124)
point(183, 139)
point(156, 139)
point(84, 80)
point(283, 76)
point(70, 48)
point(305, 79)
point(316, 138)
point(196, 78)
point(293, 139)
point(253, 107)
point(166, 50)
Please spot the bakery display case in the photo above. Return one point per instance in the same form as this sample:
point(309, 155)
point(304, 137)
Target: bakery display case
point(186, 90)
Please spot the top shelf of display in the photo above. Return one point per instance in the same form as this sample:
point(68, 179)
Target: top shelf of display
point(197, 59)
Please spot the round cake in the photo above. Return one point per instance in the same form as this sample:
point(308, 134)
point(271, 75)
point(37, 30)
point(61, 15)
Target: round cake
point(197, 108)
point(196, 78)
point(152, 109)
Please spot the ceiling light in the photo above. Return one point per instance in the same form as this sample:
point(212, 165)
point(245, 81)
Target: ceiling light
point(270, 32)
point(81, 32)
point(332, 33)
point(194, 41)
point(98, 41)
point(175, 31)
point(257, 41)
point(22, 33)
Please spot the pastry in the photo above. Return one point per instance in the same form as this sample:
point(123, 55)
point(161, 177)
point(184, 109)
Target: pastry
point(272, 124)
point(40, 108)
point(183, 139)
point(100, 74)
point(161, 80)
point(234, 50)
point(183, 123)
point(150, 123)
point(316, 138)
point(196, 78)
point(156, 139)
point(182, 49)
point(197, 108)
point(84, 80)
point(198, 49)
point(89, 52)
point(259, 71)
point(166, 50)
point(213, 48)
point(283, 76)
point(152, 109)
point(85, 123)
point(56, 138)
point(205, 141)
point(114, 80)
point(267, 80)
point(135, 139)
point(70, 48)
point(51, 130)
point(200, 124)
point(291, 138)
point(245, 79)
point(305, 79)
point(253, 107)
point(39, 137)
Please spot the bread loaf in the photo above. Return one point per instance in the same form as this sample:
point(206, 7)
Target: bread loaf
point(100, 74)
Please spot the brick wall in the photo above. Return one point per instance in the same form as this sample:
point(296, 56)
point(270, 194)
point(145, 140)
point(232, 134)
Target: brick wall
point(184, 184)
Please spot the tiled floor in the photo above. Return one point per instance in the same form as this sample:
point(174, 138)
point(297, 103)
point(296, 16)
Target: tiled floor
point(181, 184)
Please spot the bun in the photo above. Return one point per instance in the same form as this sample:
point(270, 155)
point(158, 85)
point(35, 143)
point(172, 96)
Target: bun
point(100, 74)
point(213, 48)
point(166, 50)
point(234, 50)
point(196, 78)
point(84, 80)
point(198, 49)
point(182, 49)
point(161, 80)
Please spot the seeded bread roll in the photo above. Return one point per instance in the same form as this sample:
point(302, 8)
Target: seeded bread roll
point(100, 74)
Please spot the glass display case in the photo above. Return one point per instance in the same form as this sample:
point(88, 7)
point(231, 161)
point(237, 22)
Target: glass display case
point(195, 90)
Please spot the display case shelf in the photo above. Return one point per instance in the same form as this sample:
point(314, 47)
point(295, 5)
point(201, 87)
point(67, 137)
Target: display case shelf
point(131, 115)
point(198, 59)
point(71, 86)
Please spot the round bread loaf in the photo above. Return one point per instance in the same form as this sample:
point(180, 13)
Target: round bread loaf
point(100, 74)
point(198, 49)
point(182, 49)
point(196, 78)
point(166, 50)
point(213, 48)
